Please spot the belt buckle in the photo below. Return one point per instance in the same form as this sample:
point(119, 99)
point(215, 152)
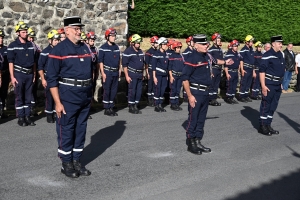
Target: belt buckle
point(27, 72)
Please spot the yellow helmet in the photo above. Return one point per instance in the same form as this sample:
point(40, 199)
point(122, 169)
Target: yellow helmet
point(21, 26)
point(31, 33)
point(258, 44)
point(83, 36)
point(249, 38)
point(2, 34)
point(53, 34)
point(136, 38)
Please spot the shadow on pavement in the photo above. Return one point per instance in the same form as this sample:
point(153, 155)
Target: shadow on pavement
point(102, 140)
point(295, 153)
point(291, 122)
point(252, 115)
point(284, 187)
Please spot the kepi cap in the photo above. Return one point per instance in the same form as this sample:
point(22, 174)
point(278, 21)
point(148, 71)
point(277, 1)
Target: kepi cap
point(277, 38)
point(73, 21)
point(200, 39)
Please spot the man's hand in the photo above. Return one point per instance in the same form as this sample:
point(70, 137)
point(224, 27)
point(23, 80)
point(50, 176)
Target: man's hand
point(44, 83)
point(254, 74)
point(128, 79)
point(155, 80)
point(148, 76)
point(265, 90)
point(14, 81)
point(103, 77)
point(229, 62)
point(243, 72)
point(192, 101)
point(228, 76)
point(59, 108)
point(172, 79)
point(33, 80)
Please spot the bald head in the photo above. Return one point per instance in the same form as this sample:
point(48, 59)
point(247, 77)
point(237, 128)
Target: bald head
point(267, 47)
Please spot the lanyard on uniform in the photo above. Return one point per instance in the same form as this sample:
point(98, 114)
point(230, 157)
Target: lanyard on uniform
point(92, 54)
point(1, 58)
point(210, 62)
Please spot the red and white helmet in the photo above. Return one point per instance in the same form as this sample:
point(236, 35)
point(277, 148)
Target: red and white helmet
point(189, 39)
point(234, 43)
point(110, 31)
point(176, 44)
point(61, 31)
point(216, 36)
point(153, 39)
point(91, 35)
point(171, 41)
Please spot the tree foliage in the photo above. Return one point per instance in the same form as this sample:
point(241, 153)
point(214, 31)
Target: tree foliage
point(234, 19)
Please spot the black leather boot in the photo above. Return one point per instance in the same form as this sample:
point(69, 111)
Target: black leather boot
point(22, 122)
point(137, 111)
point(81, 170)
point(179, 108)
point(201, 147)
point(157, 109)
point(263, 129)
point(150, 102)
point(107, 112)
point(131, 109)
point(33, 111)
point(68, 170)
point(161, 108)
point(192, 146)
point(174, 107)
point(113, 112)
point(29, 122)
point(273, 132)
point(50, 118)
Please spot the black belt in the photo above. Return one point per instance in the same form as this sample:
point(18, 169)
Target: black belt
point(248, 65)
point(217, 66)
point(273, 78)
point(138, 71)
point(22, 69)
point(75, 82)
point(176, 73)
point(233, 70)
point(110, 68)
point(196, 86)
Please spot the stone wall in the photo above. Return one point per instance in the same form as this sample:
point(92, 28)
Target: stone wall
point(44, 15)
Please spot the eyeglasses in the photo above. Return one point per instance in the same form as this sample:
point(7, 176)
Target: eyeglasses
point(76, 28)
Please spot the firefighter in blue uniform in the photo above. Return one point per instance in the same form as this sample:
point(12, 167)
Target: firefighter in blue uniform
point(216, 52)
point(186, 53)
point(133, 66)
point(196, 78)
point(159, 63)
point(271, 72)
point(247, 69)
point(38, 50)
point(53, 39)
point(148, 57)
point(176, 64)
point(4, 75)
point(255, 82)
point(22, 68)
point(69, 78)
point(232, 71)
point(109, 62)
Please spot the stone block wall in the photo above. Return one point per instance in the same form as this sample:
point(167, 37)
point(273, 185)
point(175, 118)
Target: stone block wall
point(45, 15)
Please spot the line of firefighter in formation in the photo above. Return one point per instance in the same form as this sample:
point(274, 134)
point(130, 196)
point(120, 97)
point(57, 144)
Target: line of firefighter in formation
point(162, 65)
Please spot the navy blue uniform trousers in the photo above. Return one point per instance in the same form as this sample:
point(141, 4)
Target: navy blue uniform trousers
point(134, 90)
point(232, 84)
point(197, 115)
point(160, 88)
point(255, 85)
point(150, 92)
point(246, 82)
point(213, 90)
point(269, 104)
point(49, 102)
point(4, 87)
point(23, 93)
point(110, 89)
point(71, 129)
point(175, 88)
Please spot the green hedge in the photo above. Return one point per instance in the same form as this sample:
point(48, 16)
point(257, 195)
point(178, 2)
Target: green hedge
point(233, 19)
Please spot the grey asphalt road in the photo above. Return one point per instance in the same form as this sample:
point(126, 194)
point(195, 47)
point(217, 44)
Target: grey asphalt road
point(145, 157)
